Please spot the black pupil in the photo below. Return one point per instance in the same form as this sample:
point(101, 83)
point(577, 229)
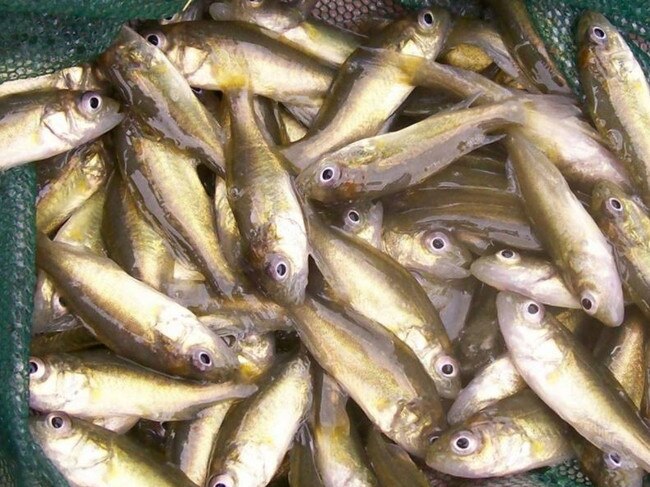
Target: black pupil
point(533, 309)
point(428, 18)
point(615, 458)
point(616, 204)
point(94, 103)
point(153, 39)
point(205, 358)
point(462, 443)
point(281, 269)
point(599, 33)
point(33, 367)
point(438, 243)
point(586, 303)
point(354, 216)
point(447, 369)
point(327, 174)
point(507, 253)
point(169, 17)
point(56, 422)
point(62, 302)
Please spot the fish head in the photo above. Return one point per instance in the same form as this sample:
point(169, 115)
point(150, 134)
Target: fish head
point(76, 117)
point(421, 34)
point(442, 254)
point(57, 436)
point(271, 14)
point(609, 203)
point(47, 376)
point(324, 180)
point(284, 276)
point(364, 219)
point(498, 266)
point(518, 314)
point(600, 43)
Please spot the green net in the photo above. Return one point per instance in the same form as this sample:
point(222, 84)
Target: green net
point(37, 37)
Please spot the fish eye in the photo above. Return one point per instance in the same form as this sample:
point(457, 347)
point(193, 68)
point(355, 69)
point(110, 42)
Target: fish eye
point(464, 443)
point(221, 481)
point(598, 35)
point(329, 175)
point(90, 102)
point(278, 269)
point(169, 17)
point(614, 205)
point(447, 367)
point(156, 39)
point(353, 217)
point(202, 359)
point(59, 422)
point(437, 241)
point(588, 303)
point(533, 311)
point(425, 19)
point(612, 460)
point(36, 368)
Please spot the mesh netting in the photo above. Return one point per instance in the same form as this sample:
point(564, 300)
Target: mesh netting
point(37, 37)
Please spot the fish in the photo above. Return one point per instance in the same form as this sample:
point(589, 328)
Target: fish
point(82, 385)
point(67, 181)
point(214, 55)
point(159, 177)
point(517, 434)
point(626, 226)
point(363, 219)
point(395, 393)
point(570, 381)
point(386, 164)
point(265, 205)
point(574, 241)
point(160, 97)
point(227, 230)
point(274, 414)
point(385, 292)
point(617, 95)
point(131, 241)
point(509, 270)
point(302, 468)
point(133, 319)
point(42, 124)
point(338, 452)
point(370, 86)
point(84, 77)
point(89, 455)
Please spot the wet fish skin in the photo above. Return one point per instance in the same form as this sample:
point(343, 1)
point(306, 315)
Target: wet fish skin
point(159, 177)
point(386, 293)
point(217, 55)
point(509, 270)
point(517, 434)
point(370, 86)
point(396, 393)
point(277, 409)
point(265, 205)
point(617, 95)
point(627, 228)
point(161, 98)
point(572, 239)
point(131, 318)
point(76, 78)
point(42, 124)
point(338, 452)
point(132, 242)
point(570, 381)
point(494, 382)
point(82, 384)
point(302, 469)
point(91, 456)
point(78, 175)
point(385, 164)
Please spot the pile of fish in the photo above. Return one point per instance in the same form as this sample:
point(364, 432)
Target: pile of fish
point(271, 250)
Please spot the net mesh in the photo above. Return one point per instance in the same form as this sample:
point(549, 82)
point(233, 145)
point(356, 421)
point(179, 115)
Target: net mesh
point(41, 36)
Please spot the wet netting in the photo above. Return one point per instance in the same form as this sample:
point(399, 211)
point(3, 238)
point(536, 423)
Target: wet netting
point(41, 36)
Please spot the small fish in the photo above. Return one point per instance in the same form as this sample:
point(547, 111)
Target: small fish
point(391, 464)
point(42, 124)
